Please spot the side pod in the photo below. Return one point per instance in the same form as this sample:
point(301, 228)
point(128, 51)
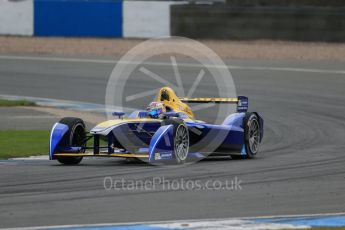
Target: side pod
point(235, 119)
point(162, 144)
point(56, 134)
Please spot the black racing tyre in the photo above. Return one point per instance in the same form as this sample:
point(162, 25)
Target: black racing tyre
point(251, 126)
point(75, 136)
point(181, 139)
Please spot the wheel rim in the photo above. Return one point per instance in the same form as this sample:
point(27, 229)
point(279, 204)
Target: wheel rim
point(77, 136)
point(254, 136)
point(181, 143)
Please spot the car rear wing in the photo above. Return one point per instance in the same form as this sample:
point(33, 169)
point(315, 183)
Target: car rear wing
point(241, 101)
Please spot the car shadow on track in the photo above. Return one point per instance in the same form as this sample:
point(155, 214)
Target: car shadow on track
point(139, 163)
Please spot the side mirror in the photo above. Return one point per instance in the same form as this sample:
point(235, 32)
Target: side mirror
point(119, 114)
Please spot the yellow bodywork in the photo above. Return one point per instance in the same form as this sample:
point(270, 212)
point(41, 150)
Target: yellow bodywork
point(174, 102)
point(127, 155)
point(110, 123)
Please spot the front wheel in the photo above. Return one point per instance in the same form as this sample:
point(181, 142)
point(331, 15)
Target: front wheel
point(181, 143)
point(75, 137)
point(181, 139)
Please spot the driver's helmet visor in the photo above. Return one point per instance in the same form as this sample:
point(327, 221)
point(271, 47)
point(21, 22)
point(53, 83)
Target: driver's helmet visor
point(155, 112)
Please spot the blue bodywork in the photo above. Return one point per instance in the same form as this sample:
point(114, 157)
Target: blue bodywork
point(161, 144)
point(139, 135)
point(157, 140)
point(56, 135)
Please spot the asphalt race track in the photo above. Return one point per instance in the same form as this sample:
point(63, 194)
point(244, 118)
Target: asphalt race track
point(300, 169)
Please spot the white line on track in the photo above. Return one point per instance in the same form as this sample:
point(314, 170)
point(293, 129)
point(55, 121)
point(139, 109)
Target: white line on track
point(233, 224)
point(67, 104)
point(31, 158)
point(165, 223)
point(108, 61)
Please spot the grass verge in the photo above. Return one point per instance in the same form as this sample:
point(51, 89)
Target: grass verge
point(4, 102)
point(23, 143)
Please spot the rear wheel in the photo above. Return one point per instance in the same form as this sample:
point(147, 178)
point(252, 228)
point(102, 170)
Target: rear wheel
point(251, 127)
point(251, 134)
point(75, 137)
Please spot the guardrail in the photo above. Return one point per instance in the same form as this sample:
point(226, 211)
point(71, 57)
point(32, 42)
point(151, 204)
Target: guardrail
point(190, 18)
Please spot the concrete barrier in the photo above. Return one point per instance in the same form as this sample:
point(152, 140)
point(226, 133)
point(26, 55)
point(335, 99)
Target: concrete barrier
point(303, 20)
point(282, 23)
point(146, 19)
point(16, 17)
point(296, 3)
point(89, 18)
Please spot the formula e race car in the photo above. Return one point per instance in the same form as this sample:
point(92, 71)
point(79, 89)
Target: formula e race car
point(166, 132)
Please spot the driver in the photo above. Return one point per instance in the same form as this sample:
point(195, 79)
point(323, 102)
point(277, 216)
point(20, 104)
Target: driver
point(156, 110)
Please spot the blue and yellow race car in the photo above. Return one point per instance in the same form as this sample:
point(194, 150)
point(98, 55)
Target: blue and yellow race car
point(166, 131)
